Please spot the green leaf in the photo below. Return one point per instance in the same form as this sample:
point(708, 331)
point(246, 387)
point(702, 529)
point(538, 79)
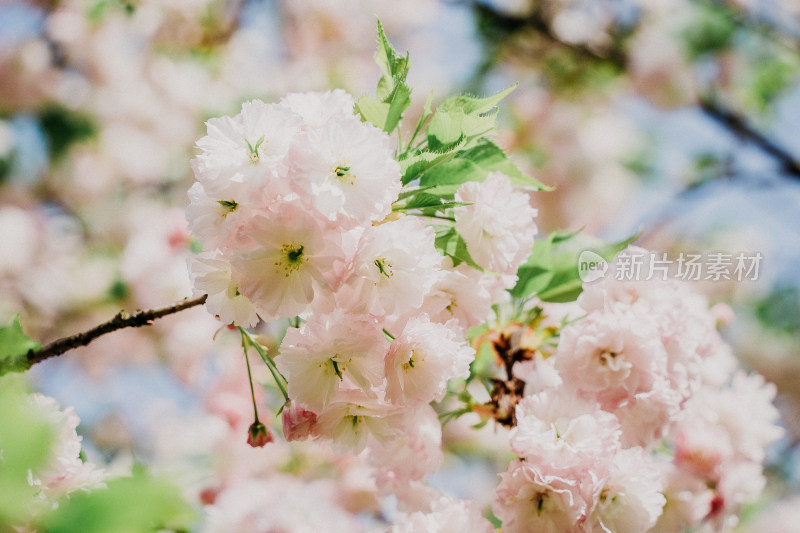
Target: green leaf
point(426, 114)
point(408, 192)
point(551, 271)
point(450, 243)
point(399, 100)
point(475, 164)
point(710, 30)
point(770, 77)
point(413, 165)
point(393, 95)
point(385, 114)
point(535, 274)
point(393, 65)
point(372, 111)
point(463, 119)
point(428, 199)
point(129, 505)
point(423, 199)
point(13, 345)
point(483, 364)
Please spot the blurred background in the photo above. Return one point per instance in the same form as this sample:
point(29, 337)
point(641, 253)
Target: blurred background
point(676, 118)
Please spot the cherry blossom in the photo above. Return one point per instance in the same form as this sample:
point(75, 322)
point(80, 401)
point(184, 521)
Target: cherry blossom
point(497, 225)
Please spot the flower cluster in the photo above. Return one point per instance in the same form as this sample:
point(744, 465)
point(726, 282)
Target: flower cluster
point(294, 207)
point(637, 421)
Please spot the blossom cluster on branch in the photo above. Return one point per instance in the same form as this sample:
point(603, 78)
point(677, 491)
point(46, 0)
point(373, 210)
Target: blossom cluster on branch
point(639, 420)
point(294, 208)
point(386, 255)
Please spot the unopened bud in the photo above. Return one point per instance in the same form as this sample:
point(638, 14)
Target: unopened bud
point(258, 435)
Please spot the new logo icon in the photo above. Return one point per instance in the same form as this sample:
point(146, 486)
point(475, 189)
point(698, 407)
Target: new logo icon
point(591, 266)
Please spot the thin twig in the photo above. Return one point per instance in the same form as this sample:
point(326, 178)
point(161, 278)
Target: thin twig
point(122, 320)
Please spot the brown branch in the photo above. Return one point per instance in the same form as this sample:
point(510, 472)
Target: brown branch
point(499, 26)
point(735, 123)
point(122, 320)
point(751, 21)
point(740, 127)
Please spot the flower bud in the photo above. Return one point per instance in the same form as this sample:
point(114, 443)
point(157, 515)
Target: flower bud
point(258, 435)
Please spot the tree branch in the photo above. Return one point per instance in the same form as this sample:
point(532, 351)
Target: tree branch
point(615, 55)
point(740, 127)
point(122, 320)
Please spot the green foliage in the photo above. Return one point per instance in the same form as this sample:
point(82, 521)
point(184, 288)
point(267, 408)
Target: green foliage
point(13, 344)
point(780, 310)
point(393, 95)
point(456, 150)
point(461, 121)
point(474, 164)
point(416, 162)
point(453, 151)
point(711, 30)
point(571, 73)
point(64, 127)
point(134, 504)
point(25, 443)
point(450, 243)
point(97, 10)
point(708, 166)
point(6, 164)
point(770, 76)
point(119, 290)
point(551, 271)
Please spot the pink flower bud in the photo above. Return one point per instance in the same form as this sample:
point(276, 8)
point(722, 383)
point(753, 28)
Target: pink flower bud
point(298, 422)
point(258, 435)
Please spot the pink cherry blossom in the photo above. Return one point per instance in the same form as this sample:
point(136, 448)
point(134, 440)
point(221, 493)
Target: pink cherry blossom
point(628, 499)
point(688, 500)
point(211, 275)
point(248, 149)
point(394, 267)
point(345, 168)
point(447, 515)
point(462, 293)
point(62, 471)
point(281, 257)
point(216, 220)
point(298, 422)
point(423, 358)
point(353, 420)
point(498, 225)
point(529, 501)
point(415, 453)
point(329, 351)
point(315, 109)
point(563, 432)
point(279, 503)
point(611, 355)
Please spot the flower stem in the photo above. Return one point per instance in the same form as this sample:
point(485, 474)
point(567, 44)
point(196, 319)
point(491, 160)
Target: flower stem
point(250, 378)
point(273, 369)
